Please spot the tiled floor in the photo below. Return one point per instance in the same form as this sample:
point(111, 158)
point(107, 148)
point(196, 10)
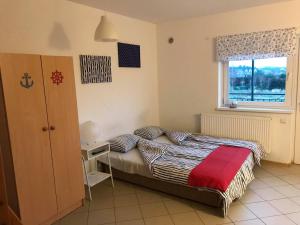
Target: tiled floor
point(273, 198)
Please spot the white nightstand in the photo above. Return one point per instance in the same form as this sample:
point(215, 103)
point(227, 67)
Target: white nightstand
point(94, 151)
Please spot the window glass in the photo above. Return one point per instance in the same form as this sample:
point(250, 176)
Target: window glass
point(260, 80)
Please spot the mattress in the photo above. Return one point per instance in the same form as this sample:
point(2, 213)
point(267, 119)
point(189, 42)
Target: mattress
point(132, 161)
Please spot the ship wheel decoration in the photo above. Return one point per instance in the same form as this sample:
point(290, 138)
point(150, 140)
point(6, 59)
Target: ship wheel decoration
point(57, 77)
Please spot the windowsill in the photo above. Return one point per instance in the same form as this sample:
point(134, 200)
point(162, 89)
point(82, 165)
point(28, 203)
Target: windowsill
point(258, 110)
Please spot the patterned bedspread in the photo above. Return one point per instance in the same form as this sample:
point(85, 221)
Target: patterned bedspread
point(174, 162)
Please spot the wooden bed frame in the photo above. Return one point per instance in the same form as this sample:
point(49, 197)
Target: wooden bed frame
point(205, 197)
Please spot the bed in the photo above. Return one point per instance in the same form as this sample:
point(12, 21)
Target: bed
point(131, 167)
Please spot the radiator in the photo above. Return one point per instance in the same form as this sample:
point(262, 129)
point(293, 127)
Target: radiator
point(239, 127)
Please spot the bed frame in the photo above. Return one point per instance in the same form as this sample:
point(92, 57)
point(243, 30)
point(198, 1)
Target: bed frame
point(205, 197)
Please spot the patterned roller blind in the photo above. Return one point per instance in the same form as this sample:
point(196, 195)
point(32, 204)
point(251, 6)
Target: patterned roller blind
point(257, 45)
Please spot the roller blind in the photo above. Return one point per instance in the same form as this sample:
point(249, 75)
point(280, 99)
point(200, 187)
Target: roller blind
point(257, 45)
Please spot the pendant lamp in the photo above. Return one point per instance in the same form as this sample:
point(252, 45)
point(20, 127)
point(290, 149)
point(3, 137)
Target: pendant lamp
point(106, 31)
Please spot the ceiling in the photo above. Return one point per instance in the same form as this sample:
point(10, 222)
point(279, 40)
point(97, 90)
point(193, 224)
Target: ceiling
point(158, 11)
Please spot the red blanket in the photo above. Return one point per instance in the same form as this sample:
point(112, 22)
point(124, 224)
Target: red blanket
point(219, 168)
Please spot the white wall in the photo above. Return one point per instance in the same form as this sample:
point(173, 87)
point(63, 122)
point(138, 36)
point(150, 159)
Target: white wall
point(61, 27)
point(188, 72)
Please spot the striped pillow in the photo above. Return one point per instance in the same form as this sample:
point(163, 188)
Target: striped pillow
point(149, 133)
point(123, 143)
point(177, 136)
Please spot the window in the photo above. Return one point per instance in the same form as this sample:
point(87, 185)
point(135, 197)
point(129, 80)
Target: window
point(259, 82)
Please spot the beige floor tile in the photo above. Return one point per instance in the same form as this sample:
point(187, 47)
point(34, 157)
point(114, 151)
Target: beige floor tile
point(239, 213)
point(190, 218)
point(122, 188)
point(125, 200)
point(291, 179)
point(294, 169)
point(210, 216)
point(75, 219)
point(277, 170)
point(273, 181)
point(132, 222)
point(257, 184)
point(266, 165)
point(153, 209)
point(177, 206)
point(236, 202)
point(84, 208)
point(277, 220)
point(256, 167)
point(98, 203)
point(56, 223)
point(148, 197)
point(169, 197)
point(250, 197)
point(160, 220)
point(272, 184)
point(126, 213)
point(103, 216)
point(101, 190)
point(269, 194)
point(288, 191)
point(263, 209)
point(250, 222)
point(261, 173)
point(296, 200)
point(285, 206)
point(295, 217)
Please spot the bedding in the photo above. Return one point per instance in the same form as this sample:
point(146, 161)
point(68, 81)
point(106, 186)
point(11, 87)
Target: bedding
point(219, 168)
point(132, 161)
point(178, 136)
point(123, 143)
point(149, 133)
point(174, 163)
point(203, 141)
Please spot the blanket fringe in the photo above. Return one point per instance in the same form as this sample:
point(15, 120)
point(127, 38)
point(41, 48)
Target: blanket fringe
point(238, 186)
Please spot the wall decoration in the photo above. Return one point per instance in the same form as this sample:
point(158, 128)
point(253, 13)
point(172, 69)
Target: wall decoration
point(95, 69)
point(57, 77)
point(26, 81)
point(129, 55)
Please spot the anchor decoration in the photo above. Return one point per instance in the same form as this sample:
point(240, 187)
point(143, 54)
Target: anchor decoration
point(57, 77)
point(26, 81)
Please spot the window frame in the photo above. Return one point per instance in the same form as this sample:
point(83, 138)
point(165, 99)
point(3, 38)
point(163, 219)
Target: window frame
point(288, 104)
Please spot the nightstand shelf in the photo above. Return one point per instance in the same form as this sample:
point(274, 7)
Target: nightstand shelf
point(96, 177)
point(92, 152)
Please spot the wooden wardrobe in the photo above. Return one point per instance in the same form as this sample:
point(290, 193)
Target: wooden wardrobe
point(39, 137)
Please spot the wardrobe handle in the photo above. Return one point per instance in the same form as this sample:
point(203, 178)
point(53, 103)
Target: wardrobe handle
point(52, 127)
point(45, 129)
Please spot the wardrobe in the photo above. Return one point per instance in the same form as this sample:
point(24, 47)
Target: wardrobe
point(39, 137)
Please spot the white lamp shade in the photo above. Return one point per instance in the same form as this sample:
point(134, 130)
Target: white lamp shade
point(89, 132)
point(106, 31)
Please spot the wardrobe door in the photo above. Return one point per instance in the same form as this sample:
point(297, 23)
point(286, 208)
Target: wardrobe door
point(64, 130)
point(26, 113)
